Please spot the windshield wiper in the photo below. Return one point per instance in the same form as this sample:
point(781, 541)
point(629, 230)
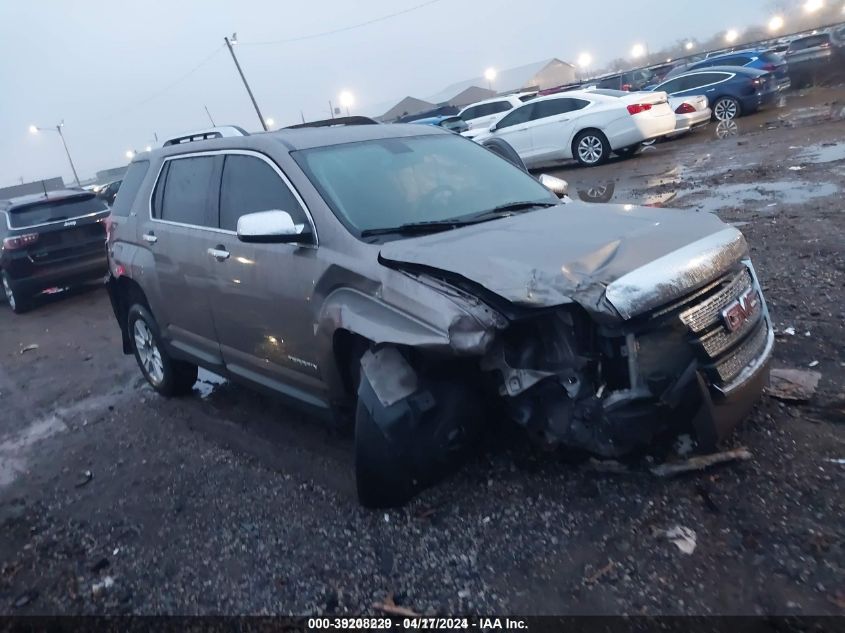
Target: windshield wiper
point(432, 226)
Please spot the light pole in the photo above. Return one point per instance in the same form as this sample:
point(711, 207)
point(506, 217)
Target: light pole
point(34, 129)
point(229, 43)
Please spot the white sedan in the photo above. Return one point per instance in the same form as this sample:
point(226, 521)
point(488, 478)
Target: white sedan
point(584, 124)
point(481, 115)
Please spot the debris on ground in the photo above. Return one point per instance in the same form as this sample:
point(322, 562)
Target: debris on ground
point(99, 587)
point(607, 466)
point(789, 331)
point(390, 607)
point(87, 476)
point(704, 493)
point(813, 363)
point(700, 462)
point(840, 460)
point(793, 384)
point(25, 598)
point(683, 537)
point(599, 574)
point(684, 445)
point(29, 348)
point(796, 168)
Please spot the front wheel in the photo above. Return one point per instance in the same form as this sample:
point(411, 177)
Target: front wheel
point(14, 297)
point(726, 109)
point(591, 148)
point(168, 376)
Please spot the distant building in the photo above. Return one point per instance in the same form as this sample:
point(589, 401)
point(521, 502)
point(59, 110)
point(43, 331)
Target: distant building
point(106, 176)
point(27, 188)
point(537, 76)
point(408, 105)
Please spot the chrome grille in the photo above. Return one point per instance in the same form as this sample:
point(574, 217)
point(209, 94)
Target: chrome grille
point(721, 339)
point(702, 315)
point(750, 349)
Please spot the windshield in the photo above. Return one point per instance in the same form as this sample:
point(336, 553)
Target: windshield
point(391, 182)
point(55, 210)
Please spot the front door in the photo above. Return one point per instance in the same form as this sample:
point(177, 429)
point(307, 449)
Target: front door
point(180, 230)
point(515, 130)
point(262, 302)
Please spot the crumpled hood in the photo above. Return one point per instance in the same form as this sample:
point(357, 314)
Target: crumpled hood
point(635, 258)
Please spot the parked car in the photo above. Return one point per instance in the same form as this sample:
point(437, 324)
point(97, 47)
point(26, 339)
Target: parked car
point(761, 60)
point(452, 123)
point(419, 280)
point(480, 116)
point(108, 192)
point(629, 81)
point(587, 125)
point(50, 240)
point(731, 91)
point(816, 58)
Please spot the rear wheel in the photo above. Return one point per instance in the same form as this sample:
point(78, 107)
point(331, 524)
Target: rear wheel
point(168, 376)
point(16, 299)
point(591, 148)
point(726, 109)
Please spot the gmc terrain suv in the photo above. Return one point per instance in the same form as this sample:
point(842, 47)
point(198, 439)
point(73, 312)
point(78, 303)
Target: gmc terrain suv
point(49, 240)
point(422, 281)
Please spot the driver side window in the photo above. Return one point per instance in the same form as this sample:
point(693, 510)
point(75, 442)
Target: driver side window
point(521, 114)
point(250, 185)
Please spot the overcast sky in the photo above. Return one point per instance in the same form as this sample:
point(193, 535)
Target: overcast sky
point(110, 68)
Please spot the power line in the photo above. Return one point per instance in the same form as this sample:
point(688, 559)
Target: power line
point(168, 87)
point(342, 29)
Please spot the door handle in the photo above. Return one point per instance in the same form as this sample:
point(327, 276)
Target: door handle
point(150, 237)
point(219, 253)
point(712, 90)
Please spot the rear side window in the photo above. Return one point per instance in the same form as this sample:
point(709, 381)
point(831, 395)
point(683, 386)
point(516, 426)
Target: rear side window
point(185, 195)
point(470, 113)
point(553, 107)
point(497, 106)
point(250, 185)
point(55, 211)
point(129, 187)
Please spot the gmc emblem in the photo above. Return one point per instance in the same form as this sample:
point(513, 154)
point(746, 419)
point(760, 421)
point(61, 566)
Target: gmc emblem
point(741, 310)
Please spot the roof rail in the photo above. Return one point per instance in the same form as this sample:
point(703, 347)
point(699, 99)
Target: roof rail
point(220, 131)
point(341, 120)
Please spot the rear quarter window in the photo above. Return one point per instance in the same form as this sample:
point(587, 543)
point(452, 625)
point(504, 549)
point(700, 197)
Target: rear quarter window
point(128, 191)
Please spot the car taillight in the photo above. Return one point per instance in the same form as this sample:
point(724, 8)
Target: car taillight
point(770, 67)
point(19, 241)
point(636, 108)
point(684, 108)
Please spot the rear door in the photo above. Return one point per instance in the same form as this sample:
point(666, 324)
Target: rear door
point(552, 123)
point(489, 113)
point(262, 308)
point(705, 83)
point(179, 232)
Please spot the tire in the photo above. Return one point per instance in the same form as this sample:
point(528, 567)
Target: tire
point(168, 376)
point(591, 148)
point(389, 473)
point(18, 302)
point(726, 109)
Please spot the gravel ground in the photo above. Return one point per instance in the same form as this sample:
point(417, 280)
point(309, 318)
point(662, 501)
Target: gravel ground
point(113, 500)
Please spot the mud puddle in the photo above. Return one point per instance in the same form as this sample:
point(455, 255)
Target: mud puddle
point(766, 196)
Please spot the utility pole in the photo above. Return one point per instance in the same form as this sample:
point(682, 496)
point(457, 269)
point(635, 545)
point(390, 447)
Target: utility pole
point(209, 116)
point(331, 108)
point(246, 85)
point(67, 151)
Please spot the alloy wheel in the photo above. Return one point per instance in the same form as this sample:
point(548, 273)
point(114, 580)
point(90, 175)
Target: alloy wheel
point(725, 109)
point(590, 149)
point(148, 352)
point(10, 296)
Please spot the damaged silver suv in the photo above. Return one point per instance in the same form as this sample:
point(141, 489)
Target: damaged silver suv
point(417, 280)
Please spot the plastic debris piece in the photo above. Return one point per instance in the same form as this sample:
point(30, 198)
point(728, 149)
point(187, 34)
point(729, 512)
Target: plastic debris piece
point(793, 384)
point(29, 348)
point(87, 476)
point(99, 587)
point(813, 363)
point(683, 537)
point(700, 462)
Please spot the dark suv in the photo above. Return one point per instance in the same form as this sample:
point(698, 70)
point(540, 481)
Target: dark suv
point(50, 240)
point(411, 276)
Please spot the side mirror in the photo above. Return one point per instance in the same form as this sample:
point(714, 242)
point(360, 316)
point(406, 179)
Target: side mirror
point(557, 186)
point(492, 128)
point(271, 227)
